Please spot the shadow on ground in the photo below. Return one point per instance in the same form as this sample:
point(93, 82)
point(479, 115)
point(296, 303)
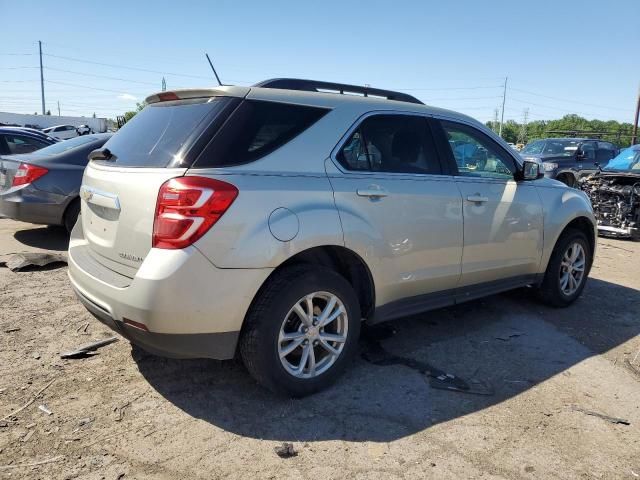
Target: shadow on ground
point(508, 341)
point(49, 238)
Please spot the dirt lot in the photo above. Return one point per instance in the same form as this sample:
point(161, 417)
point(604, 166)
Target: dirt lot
point(125, 414)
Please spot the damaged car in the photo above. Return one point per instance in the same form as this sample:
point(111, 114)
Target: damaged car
point(615, 195)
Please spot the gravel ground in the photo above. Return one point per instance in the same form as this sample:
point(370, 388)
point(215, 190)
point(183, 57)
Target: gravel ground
point(126, 414)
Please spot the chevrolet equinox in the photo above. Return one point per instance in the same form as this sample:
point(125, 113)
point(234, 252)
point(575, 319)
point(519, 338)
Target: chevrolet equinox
point(271, 220)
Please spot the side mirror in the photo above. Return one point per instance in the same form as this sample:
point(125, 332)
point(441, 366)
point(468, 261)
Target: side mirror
point(531, 170)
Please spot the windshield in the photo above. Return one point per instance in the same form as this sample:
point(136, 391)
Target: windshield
point(64, 146)
point(534, 148)
point(560, 148)
point(626, 161)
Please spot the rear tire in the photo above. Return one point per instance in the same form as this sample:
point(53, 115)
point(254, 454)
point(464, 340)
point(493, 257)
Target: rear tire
point(71, 215)
point(557, 288)
point(278, 321)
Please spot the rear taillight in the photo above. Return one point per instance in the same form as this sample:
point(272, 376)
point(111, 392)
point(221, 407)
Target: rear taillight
point(187, 207)
point(27, 173)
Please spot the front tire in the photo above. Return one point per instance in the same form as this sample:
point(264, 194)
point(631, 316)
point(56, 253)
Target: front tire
point(301, 331)
point(567, 271)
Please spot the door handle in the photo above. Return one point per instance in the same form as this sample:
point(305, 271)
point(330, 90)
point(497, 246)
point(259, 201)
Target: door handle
point(371, 192)
point(477, 198)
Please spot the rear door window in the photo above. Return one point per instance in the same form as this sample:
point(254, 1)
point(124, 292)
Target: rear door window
point(393, 144)
point(256, 129)
point(158, 136)
point(17, 144)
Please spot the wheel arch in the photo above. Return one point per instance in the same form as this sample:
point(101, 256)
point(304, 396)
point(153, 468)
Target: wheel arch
point(583, 224)
point(342, 260)
point(567, 174)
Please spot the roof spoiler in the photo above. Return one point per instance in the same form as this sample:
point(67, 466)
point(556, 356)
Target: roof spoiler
point(330, 87)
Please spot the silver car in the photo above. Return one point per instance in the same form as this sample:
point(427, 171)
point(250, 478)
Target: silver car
point(273, 220)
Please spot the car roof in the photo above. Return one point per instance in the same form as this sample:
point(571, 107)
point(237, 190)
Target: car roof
point(24, 132)
point(311, 98)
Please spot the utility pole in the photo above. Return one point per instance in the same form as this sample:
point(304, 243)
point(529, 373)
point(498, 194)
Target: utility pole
point(494, 125)
point(522, 136)
point(41, 76)
point(504, 98)
point(58, 107)
point(634, 138)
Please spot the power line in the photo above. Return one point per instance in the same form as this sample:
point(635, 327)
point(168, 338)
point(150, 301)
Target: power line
point(569, 101)
point(15, 68)
point(125, 67)
point(448, 88)
point(556, 108)
point(84, 86)
point(100, 76)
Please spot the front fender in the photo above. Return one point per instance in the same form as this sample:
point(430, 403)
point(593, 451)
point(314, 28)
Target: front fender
point(561, 205)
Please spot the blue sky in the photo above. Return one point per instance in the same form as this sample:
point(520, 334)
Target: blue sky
point(561, 56)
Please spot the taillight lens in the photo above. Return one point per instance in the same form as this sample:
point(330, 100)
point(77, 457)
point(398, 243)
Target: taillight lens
point(27, 173)
point(187, 207)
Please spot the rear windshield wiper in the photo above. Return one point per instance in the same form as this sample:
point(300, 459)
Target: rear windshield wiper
point(102, 154)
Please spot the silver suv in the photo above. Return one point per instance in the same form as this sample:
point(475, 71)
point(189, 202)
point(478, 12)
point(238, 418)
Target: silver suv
point(271, 220)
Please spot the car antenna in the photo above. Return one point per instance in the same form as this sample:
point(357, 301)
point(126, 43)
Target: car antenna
point(212, 68)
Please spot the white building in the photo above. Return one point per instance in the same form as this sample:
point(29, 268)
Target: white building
point(98, 125)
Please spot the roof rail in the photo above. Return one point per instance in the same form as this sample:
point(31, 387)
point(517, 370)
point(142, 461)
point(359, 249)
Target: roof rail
point(330, 87)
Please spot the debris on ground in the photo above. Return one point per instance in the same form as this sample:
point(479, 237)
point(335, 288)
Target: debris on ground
point(44, 409)
point(83, 328)
point(20, 261)
point(32, 464)
point(29, 434)
point(89, 349)
point(11, 330)
point(84, 421)
point(614, 420)
point(15, 412)
point(286, 450)
point(632, 368)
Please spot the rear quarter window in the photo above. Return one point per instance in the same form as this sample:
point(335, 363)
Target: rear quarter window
point(256, 129)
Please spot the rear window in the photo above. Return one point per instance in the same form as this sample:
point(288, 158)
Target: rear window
point(256, 129)
point(66, 145)
point(155, 137)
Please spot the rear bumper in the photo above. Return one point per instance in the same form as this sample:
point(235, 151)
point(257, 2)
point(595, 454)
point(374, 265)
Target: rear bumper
point(187, 307)
point(33, 206)
point(220, 346)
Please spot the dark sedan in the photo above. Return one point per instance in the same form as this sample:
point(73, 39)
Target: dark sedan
point(15, 140)
point(43, 186)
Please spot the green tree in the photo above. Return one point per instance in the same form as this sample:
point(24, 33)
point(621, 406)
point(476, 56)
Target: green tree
point(570, 125)
point(132, 113)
